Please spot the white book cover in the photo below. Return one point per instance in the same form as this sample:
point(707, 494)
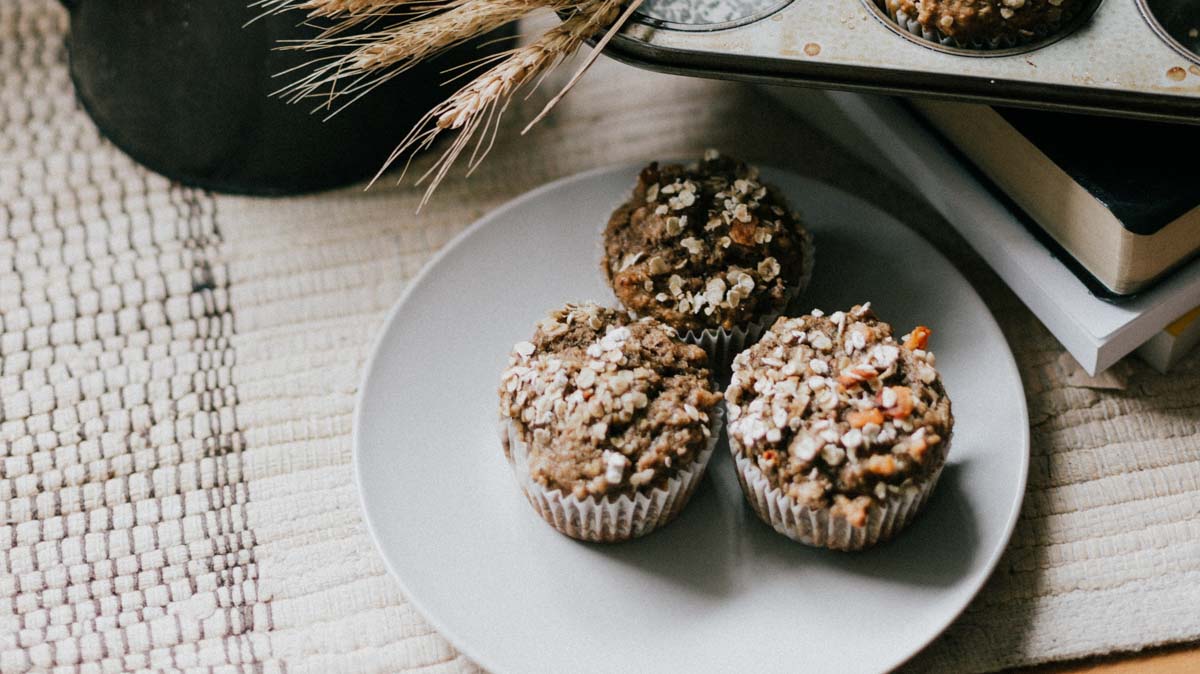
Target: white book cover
point(1098, 333)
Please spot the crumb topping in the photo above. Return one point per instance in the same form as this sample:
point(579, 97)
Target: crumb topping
point(606, 403)
point(986, 19)
point(703, 246)
point(835, 412)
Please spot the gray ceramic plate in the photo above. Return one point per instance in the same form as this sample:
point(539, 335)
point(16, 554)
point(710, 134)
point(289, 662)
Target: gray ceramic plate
point(717, 590)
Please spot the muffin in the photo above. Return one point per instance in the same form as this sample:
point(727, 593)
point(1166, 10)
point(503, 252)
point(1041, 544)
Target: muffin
point(709, 250)
point(608, 421)
point(839, 431)
point(981, 23)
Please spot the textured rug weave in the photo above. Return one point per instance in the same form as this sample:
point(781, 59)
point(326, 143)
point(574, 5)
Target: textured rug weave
point(179, 372)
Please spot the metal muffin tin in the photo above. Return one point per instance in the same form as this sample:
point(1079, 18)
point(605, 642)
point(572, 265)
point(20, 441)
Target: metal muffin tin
point(1134, 58)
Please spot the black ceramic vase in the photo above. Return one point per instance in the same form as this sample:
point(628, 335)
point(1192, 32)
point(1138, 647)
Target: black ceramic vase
point(184, 87)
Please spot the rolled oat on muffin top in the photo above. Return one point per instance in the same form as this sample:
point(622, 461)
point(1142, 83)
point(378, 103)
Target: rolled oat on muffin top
point(706, 246)
point(837, 414)
point(607, 404)
point(987, 21)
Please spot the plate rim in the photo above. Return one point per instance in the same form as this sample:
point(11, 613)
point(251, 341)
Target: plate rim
point(421, 278)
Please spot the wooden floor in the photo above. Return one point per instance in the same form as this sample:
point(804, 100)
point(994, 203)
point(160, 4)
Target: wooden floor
point(1183, 659)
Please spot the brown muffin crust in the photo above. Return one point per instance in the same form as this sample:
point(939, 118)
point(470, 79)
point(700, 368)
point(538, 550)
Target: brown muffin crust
point(606, 403)
point(705, 246)
point(987, 20)
point(835, 412)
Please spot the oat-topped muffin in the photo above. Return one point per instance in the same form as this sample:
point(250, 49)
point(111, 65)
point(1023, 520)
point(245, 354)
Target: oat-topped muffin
point(706, 246)
point(848, 423)
point(984, 22)
point(600, 405)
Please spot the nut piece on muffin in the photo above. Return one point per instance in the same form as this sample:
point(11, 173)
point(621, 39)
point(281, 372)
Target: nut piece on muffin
point(599, 405)
point(985, 22)
point(839, 430)
point(706, 246)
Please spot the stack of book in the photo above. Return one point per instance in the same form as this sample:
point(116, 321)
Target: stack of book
point(1094, 222)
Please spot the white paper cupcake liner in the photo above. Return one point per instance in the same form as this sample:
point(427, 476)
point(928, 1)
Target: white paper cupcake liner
point(723, 345)
point(821, 527)
point(607, 519)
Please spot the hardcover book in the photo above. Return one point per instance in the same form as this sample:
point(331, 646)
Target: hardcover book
point(1115, 194)
point(1172, 345)
point(1096, 330)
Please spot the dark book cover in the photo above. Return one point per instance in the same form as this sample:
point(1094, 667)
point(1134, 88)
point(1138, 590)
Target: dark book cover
point(1143, 194)
point(1146, 173)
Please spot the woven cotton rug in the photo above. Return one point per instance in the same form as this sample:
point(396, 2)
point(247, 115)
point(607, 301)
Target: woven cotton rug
point(179, 372)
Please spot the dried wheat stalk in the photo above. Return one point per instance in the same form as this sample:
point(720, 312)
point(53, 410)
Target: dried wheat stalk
point(338, 16)
point(481, 103)
point(334, 9)
point(429, 27)
point(365, 60)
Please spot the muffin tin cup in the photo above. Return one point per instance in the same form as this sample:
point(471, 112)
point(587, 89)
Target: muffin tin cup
point(723, 345)
point(821, 527)
point(911, 25)
point(607, 519)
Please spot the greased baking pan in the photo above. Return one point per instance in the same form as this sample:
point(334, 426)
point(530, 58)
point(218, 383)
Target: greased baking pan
point(1133, 58)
